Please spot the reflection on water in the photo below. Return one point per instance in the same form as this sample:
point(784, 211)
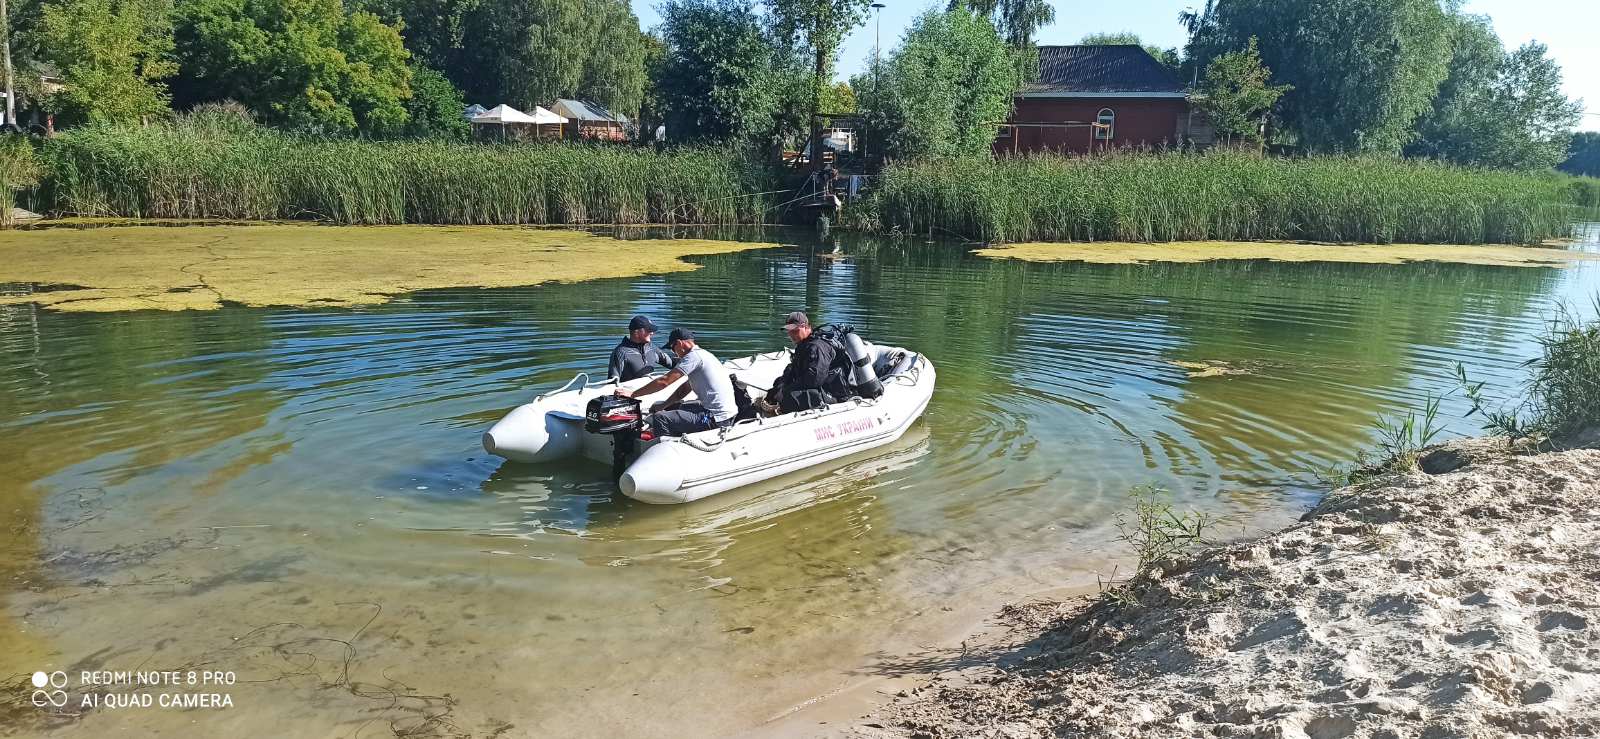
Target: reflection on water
point(299, 496)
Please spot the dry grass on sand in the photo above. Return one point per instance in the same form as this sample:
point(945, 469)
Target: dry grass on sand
point(1204, 251)
point(200, 267)
point(1459, 604)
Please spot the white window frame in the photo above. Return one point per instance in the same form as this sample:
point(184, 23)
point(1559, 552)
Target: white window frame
point(1107, 128)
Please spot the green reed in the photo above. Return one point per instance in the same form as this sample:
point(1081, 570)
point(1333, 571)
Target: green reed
point(19, 170)
point(1220, 196)
point(1561, 400)
point(239, 171)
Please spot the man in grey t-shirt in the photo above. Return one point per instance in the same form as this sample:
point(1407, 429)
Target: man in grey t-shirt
point(708, 380)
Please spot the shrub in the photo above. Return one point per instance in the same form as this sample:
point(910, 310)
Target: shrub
point(1156, 531)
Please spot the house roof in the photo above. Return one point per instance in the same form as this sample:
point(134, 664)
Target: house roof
point(1065, 71)
point(586, 111)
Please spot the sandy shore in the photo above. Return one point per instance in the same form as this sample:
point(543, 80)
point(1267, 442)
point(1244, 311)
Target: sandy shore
point(1459, 604)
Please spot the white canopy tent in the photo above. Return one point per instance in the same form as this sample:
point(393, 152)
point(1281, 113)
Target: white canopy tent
point(505, 115)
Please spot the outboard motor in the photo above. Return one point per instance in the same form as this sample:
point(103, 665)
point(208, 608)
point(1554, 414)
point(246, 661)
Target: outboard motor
point(862, 379)
point(621, 419)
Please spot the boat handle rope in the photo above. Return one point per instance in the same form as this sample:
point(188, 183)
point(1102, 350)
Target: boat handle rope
point(563, 388)
point(586, 384)
point(911, 375)
point(722, 435)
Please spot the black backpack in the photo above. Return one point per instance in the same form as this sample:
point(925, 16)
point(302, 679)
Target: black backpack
point(838, 383)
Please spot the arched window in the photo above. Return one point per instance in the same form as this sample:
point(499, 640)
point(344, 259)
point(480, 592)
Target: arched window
point(1108, 125)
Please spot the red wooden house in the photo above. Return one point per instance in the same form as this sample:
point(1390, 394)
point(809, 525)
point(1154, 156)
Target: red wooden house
point(1090, 98)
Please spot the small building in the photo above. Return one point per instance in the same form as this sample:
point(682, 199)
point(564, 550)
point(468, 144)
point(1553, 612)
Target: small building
point(473, 111)
point(588, 120)
point(1093, 98)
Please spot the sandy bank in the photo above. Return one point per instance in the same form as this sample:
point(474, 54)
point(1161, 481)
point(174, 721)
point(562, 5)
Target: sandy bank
point(1203, 251)
point(1459, 604)
point(201, 267)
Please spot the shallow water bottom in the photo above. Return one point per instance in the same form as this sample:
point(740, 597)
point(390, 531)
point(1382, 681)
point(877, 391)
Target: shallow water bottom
point(329, 634)
point(298, 496)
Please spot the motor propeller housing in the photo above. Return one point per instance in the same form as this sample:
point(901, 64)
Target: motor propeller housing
point(613, 414)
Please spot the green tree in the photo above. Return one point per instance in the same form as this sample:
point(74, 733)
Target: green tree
point(943, 91)
point(1363, 71)
point(613, 75)
point(1583, 154)
point(113, 56)
point(436, 108)
point(1017, 20)
point(303, 64)
point(530, 52)
point(1537, 118)
point(717, 78)
point(435, 31)
point(1496, 109)
point(651, 110)
point(840, 97)
point(1237, 94)
point(817, 27)
point(1168, 57)
point(1475, 58)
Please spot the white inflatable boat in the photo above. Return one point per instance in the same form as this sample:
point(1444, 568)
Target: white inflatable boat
point(678, 469)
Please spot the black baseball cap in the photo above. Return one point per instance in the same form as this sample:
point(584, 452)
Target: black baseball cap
point(641, 321)
point(679, 334)
point(796, 319)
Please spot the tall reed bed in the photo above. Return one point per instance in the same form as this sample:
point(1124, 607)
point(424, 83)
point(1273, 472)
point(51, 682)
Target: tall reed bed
point(1220, 195)
point(18, 170)
point(1581, 191)
point(239, 171)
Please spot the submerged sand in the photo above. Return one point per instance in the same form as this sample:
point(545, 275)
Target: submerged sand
point(1465, 603)
point(202, 267)
point(1203, 251)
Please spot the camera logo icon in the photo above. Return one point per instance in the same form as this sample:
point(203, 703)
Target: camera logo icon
point(48, 690)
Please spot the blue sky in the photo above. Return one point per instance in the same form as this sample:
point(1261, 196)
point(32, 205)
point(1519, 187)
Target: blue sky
point(1568, 27)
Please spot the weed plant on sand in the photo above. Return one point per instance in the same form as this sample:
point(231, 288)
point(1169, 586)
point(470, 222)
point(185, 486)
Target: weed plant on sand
point(1562, 397)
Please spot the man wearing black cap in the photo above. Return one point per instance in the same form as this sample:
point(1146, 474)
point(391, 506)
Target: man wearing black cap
point(635, 356)
point(808, 381)
point(708, 380)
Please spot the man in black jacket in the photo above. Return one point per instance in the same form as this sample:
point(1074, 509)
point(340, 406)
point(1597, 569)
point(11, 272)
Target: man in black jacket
point(808, 381)
point(635, 356)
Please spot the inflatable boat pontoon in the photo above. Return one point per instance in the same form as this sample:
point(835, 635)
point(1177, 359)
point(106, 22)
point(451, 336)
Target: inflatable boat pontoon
point(679, 469)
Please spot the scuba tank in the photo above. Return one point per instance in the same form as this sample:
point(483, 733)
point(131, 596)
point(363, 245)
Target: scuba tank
point(856, 358)
point(862, 379)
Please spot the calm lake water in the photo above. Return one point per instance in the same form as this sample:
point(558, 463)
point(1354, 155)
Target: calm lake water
point(298, 496)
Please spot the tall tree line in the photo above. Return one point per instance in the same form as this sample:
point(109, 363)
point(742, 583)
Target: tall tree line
point(1413, 77)
point(374, 67)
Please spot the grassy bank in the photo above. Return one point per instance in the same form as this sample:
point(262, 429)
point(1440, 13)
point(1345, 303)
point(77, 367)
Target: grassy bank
point(1221, 196)
point(222, 169)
